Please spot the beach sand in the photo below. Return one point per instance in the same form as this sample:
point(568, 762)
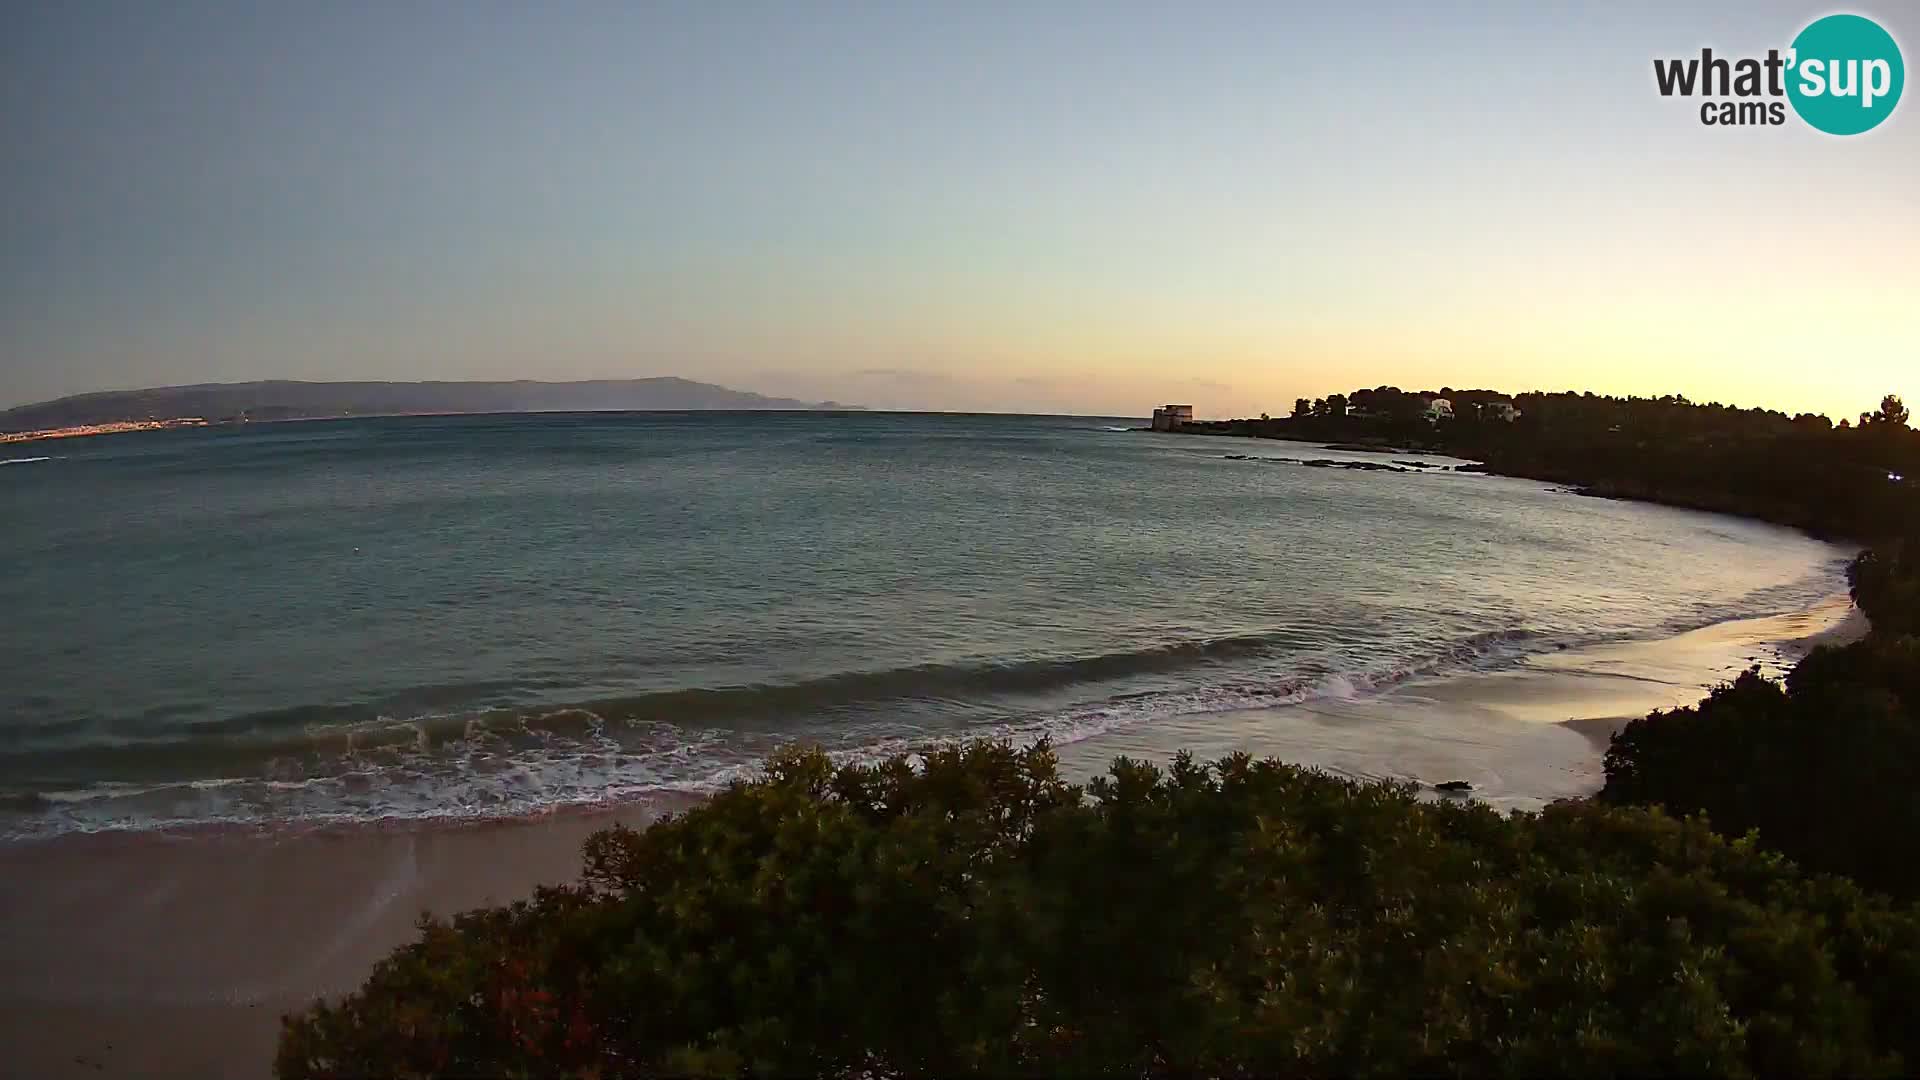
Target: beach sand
point(174, 954)
point(1523, 736)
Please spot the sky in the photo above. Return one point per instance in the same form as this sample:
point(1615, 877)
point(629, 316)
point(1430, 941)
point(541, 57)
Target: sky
point(1051, 207)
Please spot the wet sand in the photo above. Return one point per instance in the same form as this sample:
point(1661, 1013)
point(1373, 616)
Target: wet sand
point(1522, 736)
point(163, 955)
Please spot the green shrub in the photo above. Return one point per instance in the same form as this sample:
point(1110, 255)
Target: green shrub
point(1824, 768)
point(976, 914)
point(1885, 581)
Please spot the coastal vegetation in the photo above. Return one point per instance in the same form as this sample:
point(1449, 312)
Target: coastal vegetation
point(975, 914)
point(1858, 479)
point(1823, 766)
point(1739, 899)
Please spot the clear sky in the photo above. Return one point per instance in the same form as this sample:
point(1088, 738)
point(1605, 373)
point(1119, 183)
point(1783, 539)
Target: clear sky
point(1055, 206)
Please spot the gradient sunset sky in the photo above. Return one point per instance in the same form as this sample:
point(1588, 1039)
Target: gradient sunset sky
point(1046, 206)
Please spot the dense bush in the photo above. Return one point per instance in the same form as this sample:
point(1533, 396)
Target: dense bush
point(1886, 585)
point(1825, 768)
point(979, 915)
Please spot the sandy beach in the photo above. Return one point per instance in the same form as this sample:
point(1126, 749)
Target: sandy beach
point(1523, 736)
point(174, 954)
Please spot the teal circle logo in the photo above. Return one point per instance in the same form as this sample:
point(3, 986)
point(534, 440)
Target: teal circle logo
point(1844, 75)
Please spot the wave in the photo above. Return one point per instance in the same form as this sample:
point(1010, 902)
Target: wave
point(23, 460)
point(392, 775)
point(340, 730)
point(329, 764)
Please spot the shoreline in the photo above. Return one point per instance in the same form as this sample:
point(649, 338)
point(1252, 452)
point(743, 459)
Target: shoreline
point(1524, 735)
point(175, 952)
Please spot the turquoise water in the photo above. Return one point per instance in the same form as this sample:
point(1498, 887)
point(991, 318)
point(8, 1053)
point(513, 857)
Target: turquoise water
point(484, 615)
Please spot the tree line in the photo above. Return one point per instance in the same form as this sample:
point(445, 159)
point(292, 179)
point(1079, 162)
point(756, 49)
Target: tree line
point(1853, 480)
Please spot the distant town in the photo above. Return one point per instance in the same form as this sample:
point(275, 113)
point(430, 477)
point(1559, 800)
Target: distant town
point(77, 430)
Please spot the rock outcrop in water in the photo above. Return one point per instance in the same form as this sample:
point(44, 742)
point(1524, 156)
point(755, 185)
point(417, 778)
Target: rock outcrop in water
point(1320, 463)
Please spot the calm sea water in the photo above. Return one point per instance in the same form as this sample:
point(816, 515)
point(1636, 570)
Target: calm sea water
point(484, 615)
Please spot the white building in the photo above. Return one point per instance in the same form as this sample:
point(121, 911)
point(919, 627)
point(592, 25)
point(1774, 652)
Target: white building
point(1439, 409)
point(1171, 417)
point(1502, 411)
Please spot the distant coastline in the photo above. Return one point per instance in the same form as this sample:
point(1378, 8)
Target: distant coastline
point(174, 423)
point(82, 430)
point(153, 408)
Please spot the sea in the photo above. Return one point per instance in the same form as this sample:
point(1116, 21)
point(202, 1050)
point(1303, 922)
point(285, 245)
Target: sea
point(478, 616)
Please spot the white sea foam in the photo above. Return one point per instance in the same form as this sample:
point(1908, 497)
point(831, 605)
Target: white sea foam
point(395, 772)
point(23, 460)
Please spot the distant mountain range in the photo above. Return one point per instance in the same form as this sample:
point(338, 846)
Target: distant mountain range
point(285, 400)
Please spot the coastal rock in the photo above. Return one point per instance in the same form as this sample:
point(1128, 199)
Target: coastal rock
point(1362, 466)
point(1453, 786)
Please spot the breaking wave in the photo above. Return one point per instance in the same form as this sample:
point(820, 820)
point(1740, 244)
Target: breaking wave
point(329, 764)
